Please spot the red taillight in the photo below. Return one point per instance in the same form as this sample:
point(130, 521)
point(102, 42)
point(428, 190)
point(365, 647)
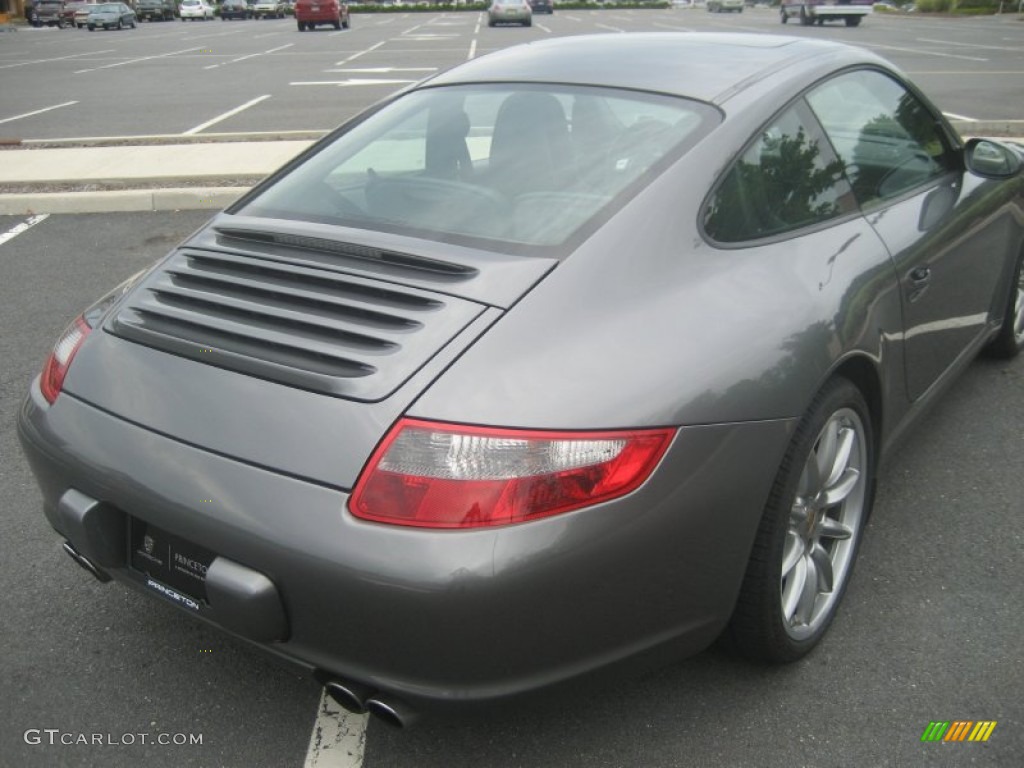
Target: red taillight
point(56, 367)
point(450, 476)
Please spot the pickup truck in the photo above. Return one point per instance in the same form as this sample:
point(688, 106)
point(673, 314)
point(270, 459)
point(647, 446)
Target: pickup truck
point(47, 13)
point(819, 11)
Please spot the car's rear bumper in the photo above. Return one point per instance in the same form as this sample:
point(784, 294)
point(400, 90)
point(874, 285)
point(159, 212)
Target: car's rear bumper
point(432, 617)
point(318, 18)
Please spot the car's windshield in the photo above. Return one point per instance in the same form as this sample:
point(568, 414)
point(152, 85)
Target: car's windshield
point(108, 8)
point(518, 164)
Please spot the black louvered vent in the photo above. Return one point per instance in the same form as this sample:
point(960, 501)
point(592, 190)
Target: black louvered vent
point(317, 329)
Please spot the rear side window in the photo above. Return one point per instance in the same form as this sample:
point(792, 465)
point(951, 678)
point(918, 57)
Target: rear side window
point(888, 140)
point(788, 177)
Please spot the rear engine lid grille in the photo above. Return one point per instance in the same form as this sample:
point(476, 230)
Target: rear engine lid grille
point(320, 330)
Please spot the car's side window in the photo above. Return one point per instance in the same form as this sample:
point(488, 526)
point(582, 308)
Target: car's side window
point(787, 178)
point(888, 140)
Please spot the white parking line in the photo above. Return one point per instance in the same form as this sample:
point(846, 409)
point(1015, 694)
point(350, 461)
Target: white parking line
point(338, 739)
point(542, 27)
point(249, 56)
point(38, 111)
point(353, 81)
point(472, 49)
point(136, 61)
point(26, 225)
point(225, 116)
point(356, 55)
point(954, 116)
point(918, 50)
point(612, 29)
point(968, 45)
point(59, 58)
point(383, 70)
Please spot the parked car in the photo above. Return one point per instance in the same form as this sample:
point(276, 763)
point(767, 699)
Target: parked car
point(195, 9)
point(542, 6)
point(155, 10)
point(110, 16)
point(268, 9)
point(47, 13)
point(509, 12)
point(810, 12)
point(235, 9)
point(81, 12)
point(69, 11)
point(460, 403)
point(310, 13)
point(725, 6)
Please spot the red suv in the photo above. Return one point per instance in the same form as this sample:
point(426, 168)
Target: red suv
point(309, 13)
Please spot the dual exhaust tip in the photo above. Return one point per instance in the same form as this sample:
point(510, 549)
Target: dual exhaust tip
point(354, 697)
point(360, 700)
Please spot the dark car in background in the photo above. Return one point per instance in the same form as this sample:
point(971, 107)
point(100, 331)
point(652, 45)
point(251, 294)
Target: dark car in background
point(542, 6)
point(156, 10)
point(310, 13)
point(540, 365)
point(235, 9)
point(48, 13)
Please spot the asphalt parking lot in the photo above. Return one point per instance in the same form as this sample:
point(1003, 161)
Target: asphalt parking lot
point(931, 627)
point(265, 76)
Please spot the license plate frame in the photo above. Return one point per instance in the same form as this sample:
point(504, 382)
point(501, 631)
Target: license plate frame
point(169, 560)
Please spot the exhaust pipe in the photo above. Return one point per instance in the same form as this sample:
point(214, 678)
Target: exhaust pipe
point(360, 699)
point(394, 712)
point(86, 563)
point(348, 696)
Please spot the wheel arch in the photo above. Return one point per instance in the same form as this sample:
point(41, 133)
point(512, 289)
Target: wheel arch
point(863, 373)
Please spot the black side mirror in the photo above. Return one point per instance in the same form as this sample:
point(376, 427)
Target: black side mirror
point(992, 159)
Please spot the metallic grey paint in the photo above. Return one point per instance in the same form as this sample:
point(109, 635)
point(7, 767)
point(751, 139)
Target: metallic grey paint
point(645, 323)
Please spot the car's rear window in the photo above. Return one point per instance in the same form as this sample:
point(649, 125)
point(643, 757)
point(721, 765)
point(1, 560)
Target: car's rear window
point(518, 165)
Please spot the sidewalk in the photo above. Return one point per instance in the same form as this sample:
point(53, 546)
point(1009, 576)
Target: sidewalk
point(190, 173)
point(161, 176)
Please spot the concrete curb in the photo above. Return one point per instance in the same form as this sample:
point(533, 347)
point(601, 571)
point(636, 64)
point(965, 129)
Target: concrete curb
point(121, 201)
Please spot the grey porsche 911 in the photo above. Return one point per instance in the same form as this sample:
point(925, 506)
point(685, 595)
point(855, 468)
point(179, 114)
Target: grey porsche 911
point(579, 350)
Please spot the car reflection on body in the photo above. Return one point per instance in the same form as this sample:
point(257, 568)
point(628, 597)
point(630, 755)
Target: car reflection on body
point(514, 377)
point(110, 16)
point(509, 12)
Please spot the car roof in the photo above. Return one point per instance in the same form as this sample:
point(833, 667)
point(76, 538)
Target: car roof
point(711, 67)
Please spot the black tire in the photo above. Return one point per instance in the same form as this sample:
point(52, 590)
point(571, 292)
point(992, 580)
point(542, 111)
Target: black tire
point(1010, 341)
point(805, 20)
point(301, 25)
point(337, 23)
point(92, 28)
point(810, 532)
point(853, 21)
point(346, 23)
